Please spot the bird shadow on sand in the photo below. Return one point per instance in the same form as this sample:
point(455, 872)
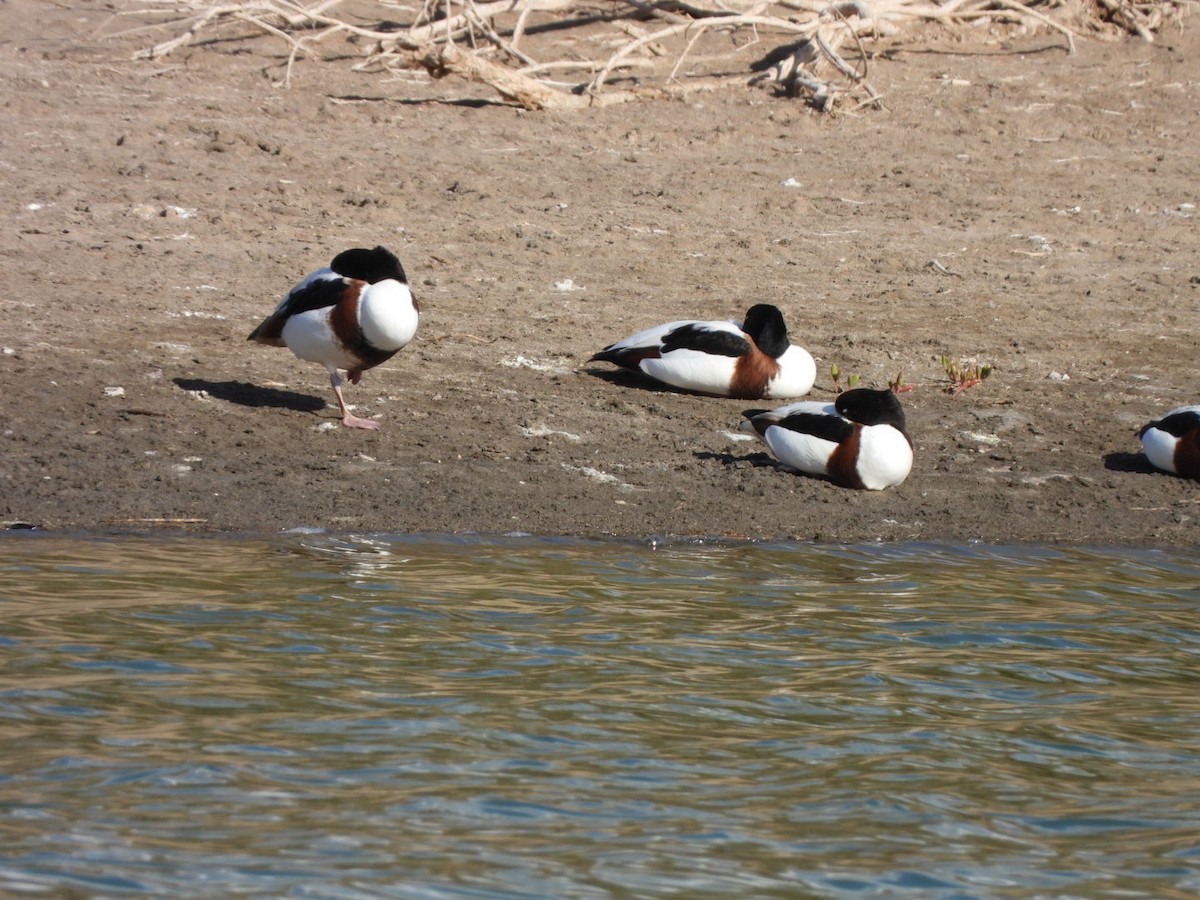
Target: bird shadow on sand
point(758, 460)
point(628, 378)
point(245, 394)
point(1129, 462)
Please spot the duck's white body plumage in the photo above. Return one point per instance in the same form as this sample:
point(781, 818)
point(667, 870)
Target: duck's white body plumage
point(1172, 442)
point(384, 314)
point(753, 360)
point(352, 315)
point(859, 441)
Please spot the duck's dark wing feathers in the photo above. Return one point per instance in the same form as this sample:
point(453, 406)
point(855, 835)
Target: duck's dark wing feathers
point(628, 357)
point(705, 340)
point(827, 428)
point(314, 293)
point(317, 294)
point(1176, 425)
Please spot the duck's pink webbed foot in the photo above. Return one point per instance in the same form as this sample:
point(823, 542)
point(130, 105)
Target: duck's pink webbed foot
point(349, 420)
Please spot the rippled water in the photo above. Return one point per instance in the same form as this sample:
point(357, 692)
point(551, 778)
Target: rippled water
point(389, 716)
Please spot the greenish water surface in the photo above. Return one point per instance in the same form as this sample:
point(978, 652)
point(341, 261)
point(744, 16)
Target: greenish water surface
point(385, 716)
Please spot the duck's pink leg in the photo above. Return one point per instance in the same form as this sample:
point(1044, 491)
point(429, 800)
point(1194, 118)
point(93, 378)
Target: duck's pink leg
point(348, 420)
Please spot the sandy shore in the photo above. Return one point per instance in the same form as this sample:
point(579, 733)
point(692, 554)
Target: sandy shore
point(1013, 205)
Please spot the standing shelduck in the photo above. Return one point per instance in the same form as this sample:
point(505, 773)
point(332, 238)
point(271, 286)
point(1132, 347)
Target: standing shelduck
point(1172, 443)
point(353, 315)
point(858, 441)
point(752, 361)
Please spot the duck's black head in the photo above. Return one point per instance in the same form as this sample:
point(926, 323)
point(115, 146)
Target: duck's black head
point(371, 266)
point(870, 407)
point(765, 324)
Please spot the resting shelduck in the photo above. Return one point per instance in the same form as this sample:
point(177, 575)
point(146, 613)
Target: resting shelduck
point(1172, 443)
point(752, 361)
point(353, 315)
point(858, 441)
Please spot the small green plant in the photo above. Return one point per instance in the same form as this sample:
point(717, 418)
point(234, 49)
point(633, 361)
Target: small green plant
point(836, 374)
point(962, 377)
point(898, 386)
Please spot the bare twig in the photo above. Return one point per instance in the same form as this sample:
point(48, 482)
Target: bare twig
point(1024, 10)
point(814, 29)
point(521, 89)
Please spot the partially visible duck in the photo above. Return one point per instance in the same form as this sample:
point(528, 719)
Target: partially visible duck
point(1172, 443)
point(353, 315)
point(752, 361)
point(858, 441)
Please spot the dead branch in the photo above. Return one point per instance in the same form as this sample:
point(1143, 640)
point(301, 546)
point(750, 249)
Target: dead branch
point(1129, 17)
point(421, 35)
point(655, 37)
point(1023, 10)
point(530, 93)
point(260, 12)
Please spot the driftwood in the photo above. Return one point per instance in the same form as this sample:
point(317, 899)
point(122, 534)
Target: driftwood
point(814, 49)
point(448, 59)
